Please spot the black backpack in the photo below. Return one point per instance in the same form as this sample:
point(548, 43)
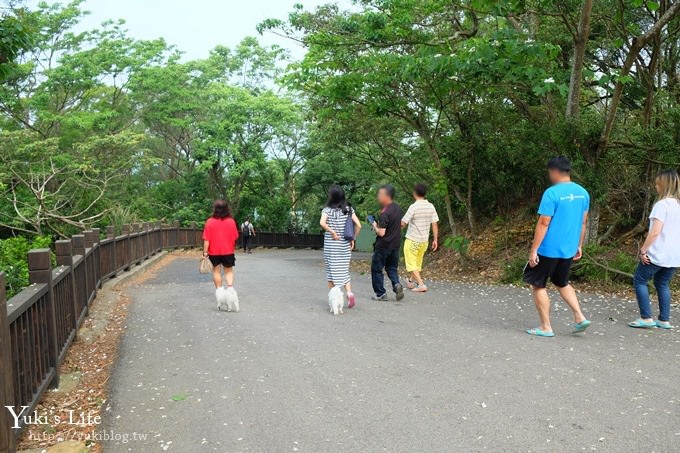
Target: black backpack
point(245, 229)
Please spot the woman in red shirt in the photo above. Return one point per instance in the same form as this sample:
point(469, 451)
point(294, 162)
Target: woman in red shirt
point(219, 240)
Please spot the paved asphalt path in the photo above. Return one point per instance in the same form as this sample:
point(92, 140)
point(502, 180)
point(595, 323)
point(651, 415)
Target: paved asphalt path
point(447, 371)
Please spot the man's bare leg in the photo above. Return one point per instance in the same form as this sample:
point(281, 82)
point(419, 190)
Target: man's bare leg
point(569, 296)
point(542, 302)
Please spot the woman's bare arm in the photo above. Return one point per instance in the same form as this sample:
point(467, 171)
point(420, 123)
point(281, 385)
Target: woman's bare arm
point(653, 235)
point(324, 224)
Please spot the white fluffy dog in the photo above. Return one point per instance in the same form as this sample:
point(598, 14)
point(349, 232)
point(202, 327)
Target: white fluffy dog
point(227, 299)
point(336, 300)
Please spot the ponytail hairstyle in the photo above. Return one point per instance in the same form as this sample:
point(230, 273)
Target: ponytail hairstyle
point(668, 184)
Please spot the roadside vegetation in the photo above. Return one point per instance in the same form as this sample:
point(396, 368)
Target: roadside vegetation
point(472, 97)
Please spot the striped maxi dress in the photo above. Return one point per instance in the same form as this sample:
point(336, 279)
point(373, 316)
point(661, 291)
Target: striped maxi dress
point(336, 254)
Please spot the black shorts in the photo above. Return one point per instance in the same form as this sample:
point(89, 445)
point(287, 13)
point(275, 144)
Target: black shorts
point(224, 260)
point(554, 269)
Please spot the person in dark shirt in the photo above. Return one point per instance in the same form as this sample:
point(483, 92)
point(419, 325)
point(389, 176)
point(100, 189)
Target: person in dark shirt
point(387, 245)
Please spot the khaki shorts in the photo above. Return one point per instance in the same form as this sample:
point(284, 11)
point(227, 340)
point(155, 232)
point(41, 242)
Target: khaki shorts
point(414, 252)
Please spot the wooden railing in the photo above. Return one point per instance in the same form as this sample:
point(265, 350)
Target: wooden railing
point(38, 325)
point(285, 240)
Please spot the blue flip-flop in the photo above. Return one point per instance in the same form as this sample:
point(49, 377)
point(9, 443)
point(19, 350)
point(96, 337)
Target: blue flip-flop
point(642, 324)
point(536, 332)
point(582, 326)
point(664, 325)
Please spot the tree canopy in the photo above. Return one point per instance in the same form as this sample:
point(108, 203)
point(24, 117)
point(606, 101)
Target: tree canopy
point(98, 127)
point(476, 94)
point(469, 96)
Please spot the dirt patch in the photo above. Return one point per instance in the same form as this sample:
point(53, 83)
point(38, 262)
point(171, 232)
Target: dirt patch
point(497, 254)
point(86, 370)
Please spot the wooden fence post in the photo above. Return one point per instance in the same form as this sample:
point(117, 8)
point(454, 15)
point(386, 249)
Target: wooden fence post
point(175, 226)
point(111, 234)
point(89, 262)
point(134, 244)
point(97, 239)
point(149, 239)
point(145, 240)
point(7, 441)
point(139, 244)
point(78, 242)
point(64, 252)
point(40, 271)
point(128, 249)
point(89, 240)
point(154, 234)
point(159, 236)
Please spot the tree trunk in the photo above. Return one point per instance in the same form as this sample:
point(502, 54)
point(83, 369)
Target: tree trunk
point(650, 81)
point(580, 44)
point(468, 196)
point(449, 212)
point(236, 194)
point(434, 152)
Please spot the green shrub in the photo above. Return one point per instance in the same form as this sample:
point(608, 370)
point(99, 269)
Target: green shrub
point(595, 268)
point(458, 244)
point(13, 260)
point(513, 270)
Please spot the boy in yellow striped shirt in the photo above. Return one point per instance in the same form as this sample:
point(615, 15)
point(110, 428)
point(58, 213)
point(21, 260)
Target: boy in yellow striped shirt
point(421, 215)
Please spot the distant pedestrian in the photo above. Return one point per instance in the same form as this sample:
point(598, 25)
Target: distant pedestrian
point(419, 217)
point(558, 242)
point(660, 253)
point(387, 245)
point(219, 241)
point(247, 234)
point(337, 248)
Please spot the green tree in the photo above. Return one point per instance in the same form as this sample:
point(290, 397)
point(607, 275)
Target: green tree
point(69, 130)
point(18, 31)
point(478, 85)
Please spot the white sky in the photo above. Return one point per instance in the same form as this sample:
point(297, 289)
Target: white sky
point(196, 26)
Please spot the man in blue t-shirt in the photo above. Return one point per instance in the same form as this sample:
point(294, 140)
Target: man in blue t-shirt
point(557, 243)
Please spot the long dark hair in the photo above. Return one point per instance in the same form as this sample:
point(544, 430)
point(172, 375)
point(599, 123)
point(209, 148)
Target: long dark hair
point(221, 209)
point(337, 200)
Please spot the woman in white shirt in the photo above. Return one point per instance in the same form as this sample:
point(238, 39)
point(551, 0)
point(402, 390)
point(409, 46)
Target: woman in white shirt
point(660, 253)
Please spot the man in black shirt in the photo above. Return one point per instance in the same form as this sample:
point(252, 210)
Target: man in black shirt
point(387, 245)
